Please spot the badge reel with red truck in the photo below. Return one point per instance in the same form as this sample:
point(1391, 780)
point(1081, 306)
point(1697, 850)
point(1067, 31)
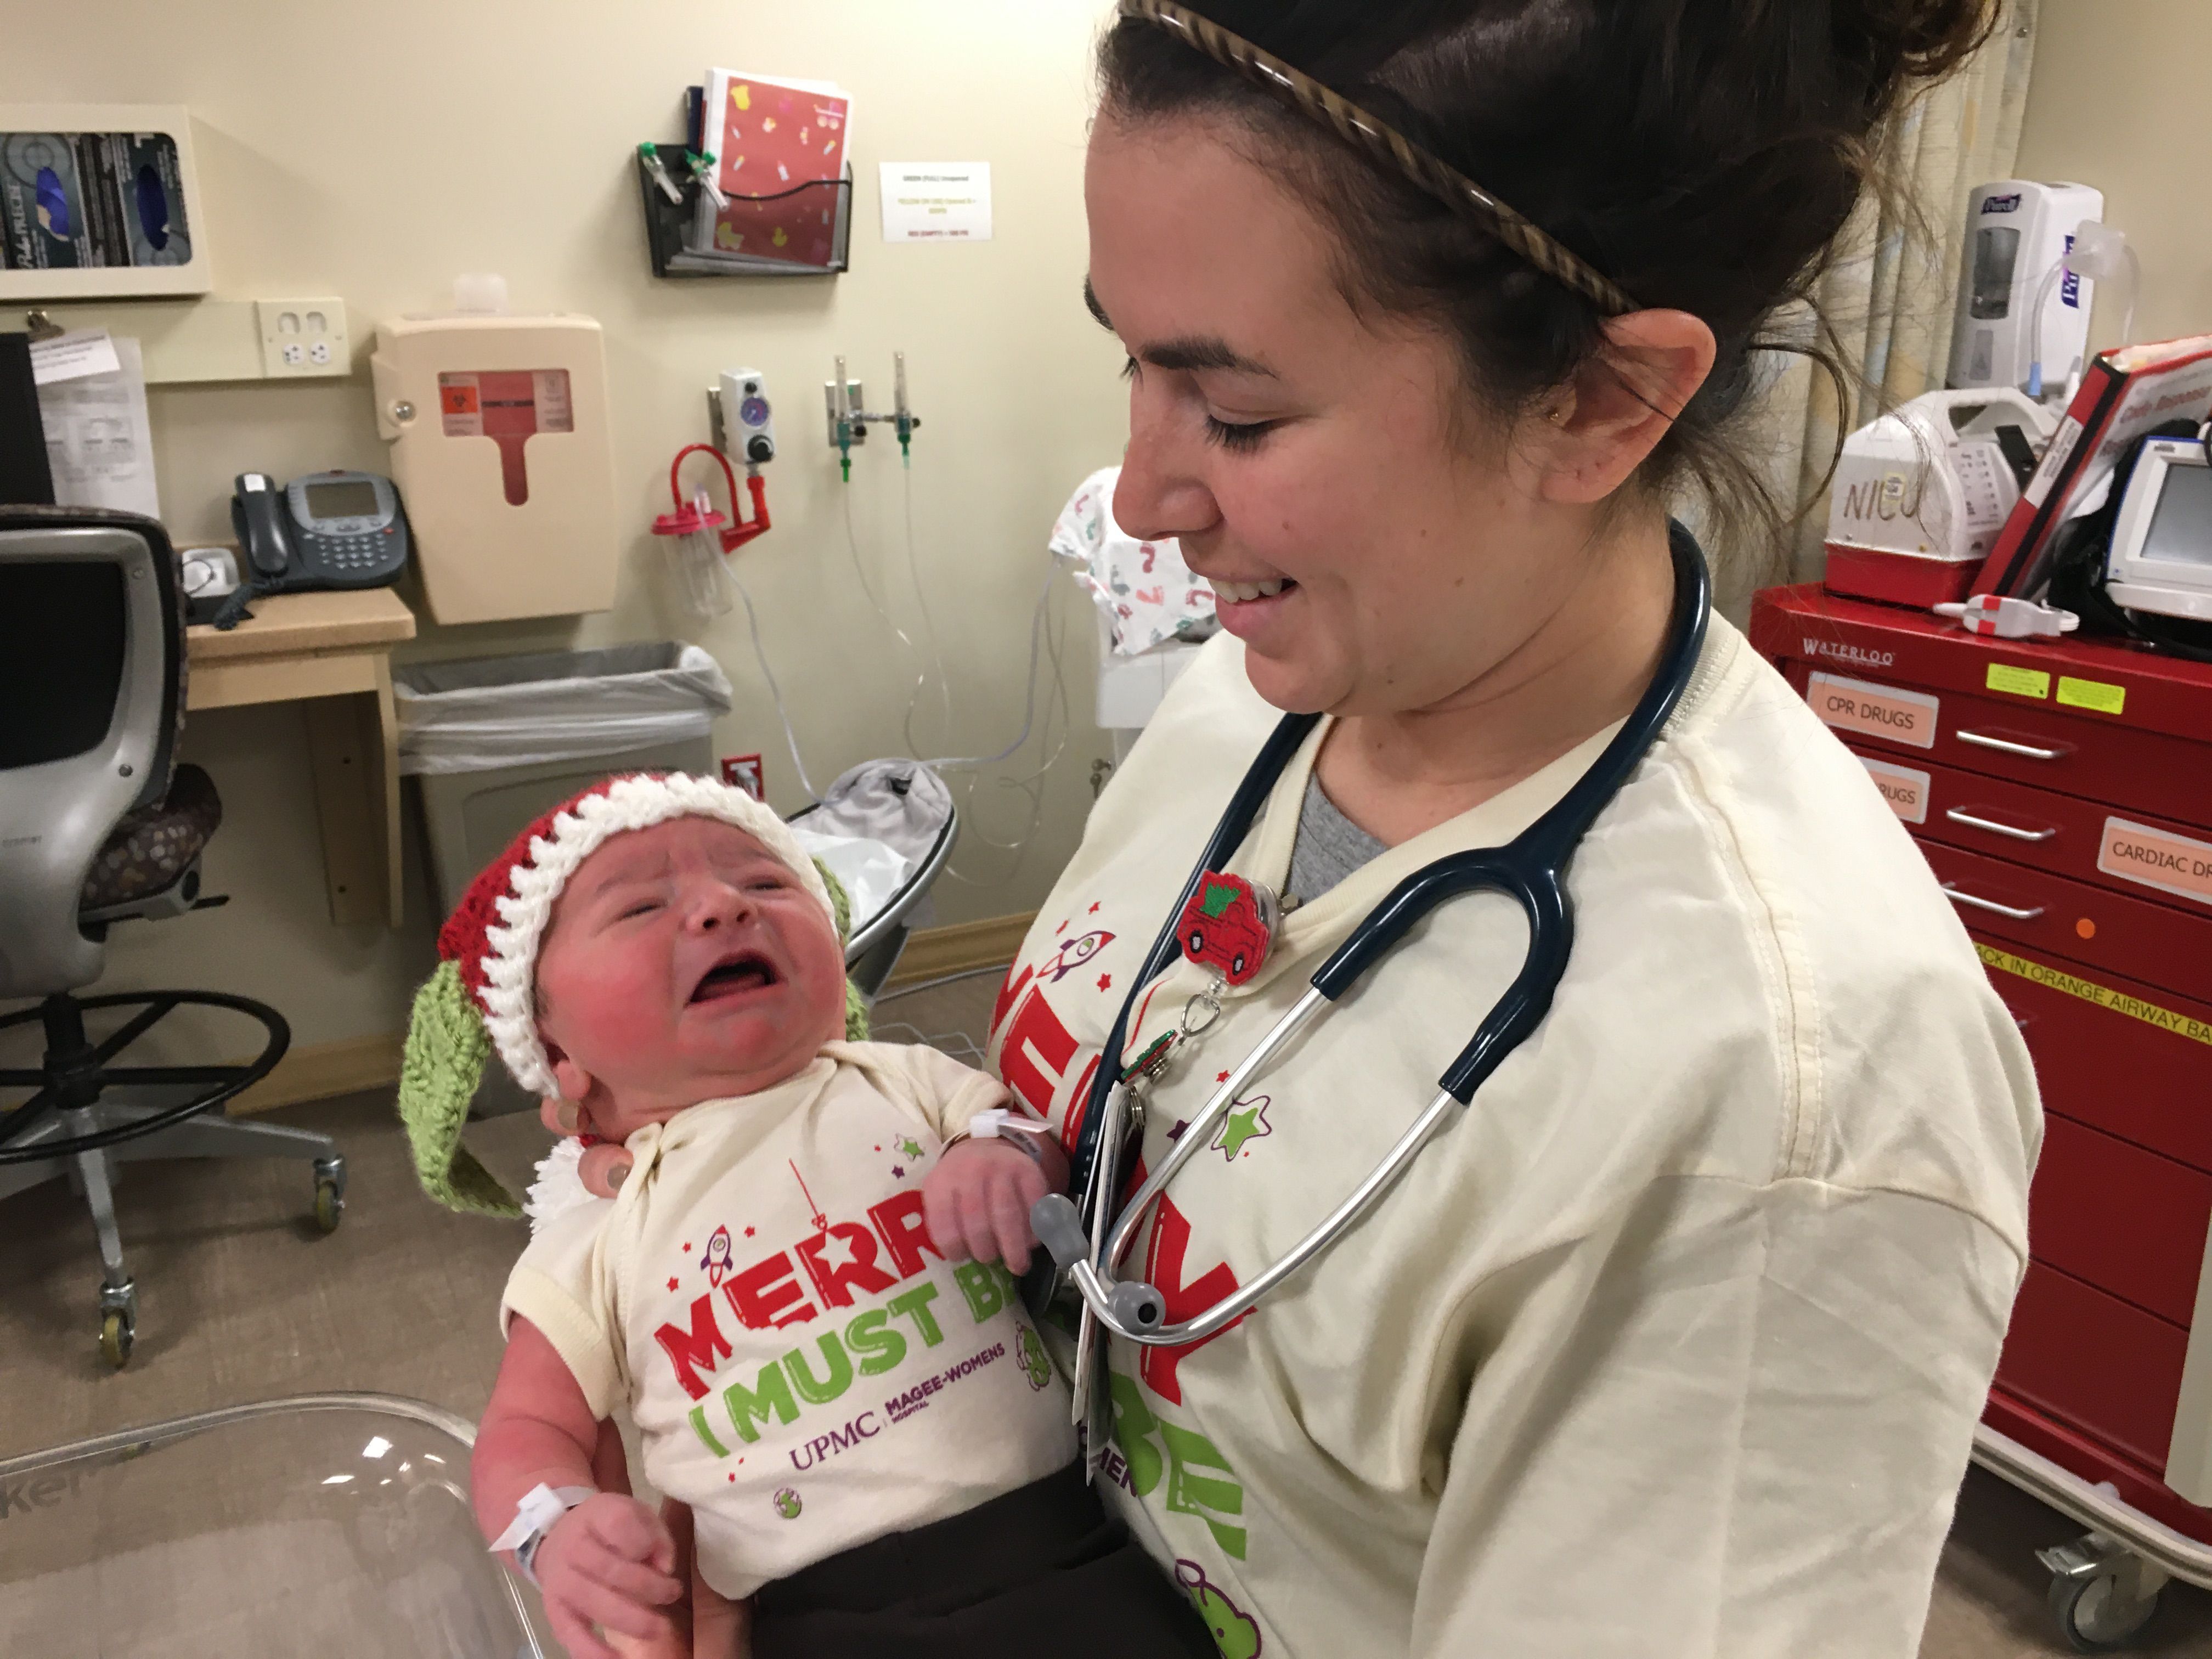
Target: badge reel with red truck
point(1227, 922)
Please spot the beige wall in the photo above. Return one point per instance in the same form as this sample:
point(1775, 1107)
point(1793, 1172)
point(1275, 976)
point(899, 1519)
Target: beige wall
point(2118, 101)
point(374, 151)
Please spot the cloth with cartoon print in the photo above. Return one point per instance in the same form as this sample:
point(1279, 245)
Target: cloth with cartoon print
point(1147, 593)
point(806, 1370)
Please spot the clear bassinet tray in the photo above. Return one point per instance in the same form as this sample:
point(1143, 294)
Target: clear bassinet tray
point(326, 1527)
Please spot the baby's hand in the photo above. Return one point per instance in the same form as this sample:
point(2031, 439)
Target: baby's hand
point(604, 1167)
point(610, 1561)
point(977, 1201)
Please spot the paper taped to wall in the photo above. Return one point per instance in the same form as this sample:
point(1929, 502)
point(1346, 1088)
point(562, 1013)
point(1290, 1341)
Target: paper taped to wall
point(936, 200)
point(73, 355)
point(100, 441)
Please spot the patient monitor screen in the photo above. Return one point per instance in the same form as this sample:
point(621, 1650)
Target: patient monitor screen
point(356, 500)
point(2181, 525)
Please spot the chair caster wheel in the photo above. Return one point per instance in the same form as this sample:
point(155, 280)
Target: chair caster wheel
point(330, 1205)
point(115, 1339)
point(2101, 1595)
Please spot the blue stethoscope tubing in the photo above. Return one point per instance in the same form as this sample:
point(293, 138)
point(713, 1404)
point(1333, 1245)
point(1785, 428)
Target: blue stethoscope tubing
point(1531, 868)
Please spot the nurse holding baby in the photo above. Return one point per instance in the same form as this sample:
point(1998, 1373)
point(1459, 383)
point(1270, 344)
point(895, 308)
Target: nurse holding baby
point(1674, 1343)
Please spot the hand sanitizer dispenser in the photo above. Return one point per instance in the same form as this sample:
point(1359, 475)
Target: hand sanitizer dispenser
point(500, 446)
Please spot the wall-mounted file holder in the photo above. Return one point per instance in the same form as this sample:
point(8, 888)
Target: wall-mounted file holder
point(100, 201)
point(817, 213)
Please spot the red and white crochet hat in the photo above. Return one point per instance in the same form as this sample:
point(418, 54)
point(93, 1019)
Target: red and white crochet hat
point(483, 996)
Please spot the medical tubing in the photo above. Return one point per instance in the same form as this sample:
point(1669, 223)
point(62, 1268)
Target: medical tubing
point(1237, 821)
point(921, 673)
point(2035, 326)
point(741, 532)
point(729, 473)
point(1532, 866)
point(1033, 784)
point(1098, 1211)
point(2062, 265)
point(959, 762)
point(760, 654)
point(1233, 1307)
point(921, 598)
point(1196, 1135)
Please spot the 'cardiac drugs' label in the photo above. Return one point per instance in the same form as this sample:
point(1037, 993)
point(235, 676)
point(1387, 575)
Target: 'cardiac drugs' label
point(2156, 858)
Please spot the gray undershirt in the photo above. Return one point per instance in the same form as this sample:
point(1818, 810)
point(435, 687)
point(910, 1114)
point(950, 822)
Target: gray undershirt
point(1329, 847)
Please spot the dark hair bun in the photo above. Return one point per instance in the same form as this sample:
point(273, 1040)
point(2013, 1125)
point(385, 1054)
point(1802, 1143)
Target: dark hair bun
point(1922, 39)
point(1705, 154)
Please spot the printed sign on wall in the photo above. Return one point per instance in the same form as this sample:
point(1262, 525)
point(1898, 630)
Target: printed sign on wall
point(936, 200)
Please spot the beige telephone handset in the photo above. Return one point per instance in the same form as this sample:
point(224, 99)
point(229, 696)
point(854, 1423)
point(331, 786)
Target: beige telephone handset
point(498, 428)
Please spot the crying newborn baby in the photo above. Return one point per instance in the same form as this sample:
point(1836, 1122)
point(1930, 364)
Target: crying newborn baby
point(802, 1292)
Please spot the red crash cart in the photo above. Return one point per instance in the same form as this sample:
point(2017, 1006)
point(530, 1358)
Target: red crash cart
point(2062, 791)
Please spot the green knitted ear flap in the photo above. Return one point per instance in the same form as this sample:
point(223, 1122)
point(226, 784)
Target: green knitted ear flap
point(856, 1009)
point(444, 1061)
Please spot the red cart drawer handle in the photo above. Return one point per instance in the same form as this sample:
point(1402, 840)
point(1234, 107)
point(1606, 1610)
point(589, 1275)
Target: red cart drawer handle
point(2009, 747)
point(1991, 905)
point(1994, 828)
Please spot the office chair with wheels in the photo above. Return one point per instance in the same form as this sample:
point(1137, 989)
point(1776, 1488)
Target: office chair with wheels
point(98, 825)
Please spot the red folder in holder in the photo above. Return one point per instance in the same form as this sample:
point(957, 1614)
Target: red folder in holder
point(780, 148)
point(2123, 394)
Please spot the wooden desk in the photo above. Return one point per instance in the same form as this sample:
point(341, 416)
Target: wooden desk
point(332, 653)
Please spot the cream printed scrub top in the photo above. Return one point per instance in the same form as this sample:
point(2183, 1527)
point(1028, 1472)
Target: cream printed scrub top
point(1672, 1346)
point(806, 1370)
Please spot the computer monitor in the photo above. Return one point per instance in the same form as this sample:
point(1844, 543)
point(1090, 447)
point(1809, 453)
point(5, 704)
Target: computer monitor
point(2160, 560)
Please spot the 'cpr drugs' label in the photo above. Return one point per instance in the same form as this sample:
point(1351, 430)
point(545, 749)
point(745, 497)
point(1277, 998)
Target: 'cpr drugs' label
point(2156, 858)
point(1904, 789)
point(1874, 711)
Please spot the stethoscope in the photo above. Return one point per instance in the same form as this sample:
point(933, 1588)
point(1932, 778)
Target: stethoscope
point(1531, 868)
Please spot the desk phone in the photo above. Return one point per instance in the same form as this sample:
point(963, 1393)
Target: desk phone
point(325, 530)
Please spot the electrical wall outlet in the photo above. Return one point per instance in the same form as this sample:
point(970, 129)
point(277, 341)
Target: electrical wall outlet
point(301, 338)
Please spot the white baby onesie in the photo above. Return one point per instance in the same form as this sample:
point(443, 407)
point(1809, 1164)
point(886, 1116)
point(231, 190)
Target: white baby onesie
point(805, 1368)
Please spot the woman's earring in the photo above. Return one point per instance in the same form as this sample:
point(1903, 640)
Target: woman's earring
point(1558, 414)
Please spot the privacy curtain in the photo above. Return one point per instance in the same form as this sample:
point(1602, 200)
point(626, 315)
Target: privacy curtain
point(1890, 297)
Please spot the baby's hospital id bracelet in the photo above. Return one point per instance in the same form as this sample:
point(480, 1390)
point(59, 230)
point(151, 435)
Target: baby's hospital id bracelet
point(1015, 1128)
point(541, 1506)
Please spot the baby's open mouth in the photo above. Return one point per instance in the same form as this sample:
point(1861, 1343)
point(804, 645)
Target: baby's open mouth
point(746, 972)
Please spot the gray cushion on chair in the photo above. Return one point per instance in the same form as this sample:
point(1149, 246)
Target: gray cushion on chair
point(155, 845)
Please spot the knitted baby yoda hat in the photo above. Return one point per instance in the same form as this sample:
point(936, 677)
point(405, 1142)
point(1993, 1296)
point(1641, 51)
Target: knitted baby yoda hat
point(483, 995)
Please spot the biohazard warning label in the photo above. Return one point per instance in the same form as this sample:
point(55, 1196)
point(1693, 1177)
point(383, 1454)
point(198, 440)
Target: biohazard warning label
point(509, 406)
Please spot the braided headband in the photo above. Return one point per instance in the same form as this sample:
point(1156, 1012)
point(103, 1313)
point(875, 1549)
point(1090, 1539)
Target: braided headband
point(1387, 145)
